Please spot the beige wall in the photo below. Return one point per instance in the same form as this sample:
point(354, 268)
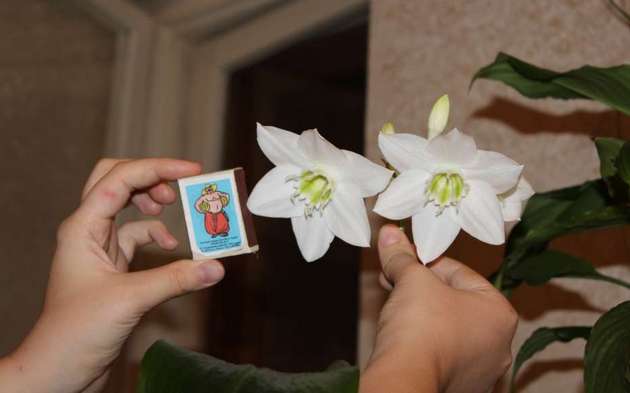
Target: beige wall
point(55, 77)
point(421, 49)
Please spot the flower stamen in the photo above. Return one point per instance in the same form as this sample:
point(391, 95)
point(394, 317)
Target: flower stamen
point(313, 188)
point(445, 189)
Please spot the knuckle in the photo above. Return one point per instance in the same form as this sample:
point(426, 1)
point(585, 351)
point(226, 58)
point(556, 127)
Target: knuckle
point(511, 317)
point(179, 280)
point(507, 363)
point(105, 162)
point(117, 166)
point(507, 315)
point(399, 263)
point(157, 225)
point(65, 229)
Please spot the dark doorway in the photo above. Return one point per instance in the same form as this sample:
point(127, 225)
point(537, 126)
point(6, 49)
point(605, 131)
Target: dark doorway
point(276, 310)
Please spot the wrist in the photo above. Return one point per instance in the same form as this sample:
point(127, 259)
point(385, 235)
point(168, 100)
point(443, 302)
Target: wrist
point(400, 372)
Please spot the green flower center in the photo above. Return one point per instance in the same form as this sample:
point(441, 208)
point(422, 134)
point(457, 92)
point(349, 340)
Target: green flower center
point(446, 189)
point(314, 188)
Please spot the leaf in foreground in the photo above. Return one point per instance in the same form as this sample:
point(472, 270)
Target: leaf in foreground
point(608, 352)
point(169, 369)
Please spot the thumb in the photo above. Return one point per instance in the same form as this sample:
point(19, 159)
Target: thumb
point(160, 284)
point(397, 254)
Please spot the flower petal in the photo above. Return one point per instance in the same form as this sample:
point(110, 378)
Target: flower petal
point(452, 147)
point(511, 211)
point(312, 235)
point(496, 169)
point(480, 214)
point(280, 146)
point(404, 151)
point(433, 233)
point(404, 197)
point(317, 149)
point(522, 192)
point(271, 197)
point(513, 201)
point(347, 217)
point(368, 177)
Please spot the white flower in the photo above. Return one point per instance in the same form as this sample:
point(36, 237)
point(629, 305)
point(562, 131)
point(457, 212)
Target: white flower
point(514, 200)
point(318, 186)
point(446, 184)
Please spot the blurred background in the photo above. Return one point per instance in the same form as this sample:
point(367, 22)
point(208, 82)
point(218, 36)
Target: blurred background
point(80, 80)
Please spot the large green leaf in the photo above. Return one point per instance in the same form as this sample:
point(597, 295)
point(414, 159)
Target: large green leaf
point(169, 369)
point(540, 339)
point(556, 213)
point(540, 268)
point(607, 356)
point(610, 86)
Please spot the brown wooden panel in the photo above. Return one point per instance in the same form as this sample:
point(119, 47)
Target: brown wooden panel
point(275, 309)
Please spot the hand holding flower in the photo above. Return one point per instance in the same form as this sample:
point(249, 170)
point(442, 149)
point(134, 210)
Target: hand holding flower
point(444, 328)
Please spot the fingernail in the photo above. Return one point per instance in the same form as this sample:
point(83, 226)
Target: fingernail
point(390, 236)
point(211, 272)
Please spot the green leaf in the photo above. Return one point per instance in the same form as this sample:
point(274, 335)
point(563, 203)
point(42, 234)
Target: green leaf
point(540, 268)
point(540, 339)
point(607, 355)
point(623, 163)
point(169, 369)
point(610, 86)
point(548, 215)
point(556, 213)
point(608, 150)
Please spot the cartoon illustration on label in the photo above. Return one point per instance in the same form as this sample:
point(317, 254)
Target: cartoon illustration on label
point(211, 204)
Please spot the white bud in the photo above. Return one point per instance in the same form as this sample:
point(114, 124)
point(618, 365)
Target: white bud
point(439, 116)
point(388, 129)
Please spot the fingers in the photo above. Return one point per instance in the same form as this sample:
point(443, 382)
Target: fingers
point(149, 203)
point(397, 254)
point(385, 284)
point(140, 233)
point(459, 276)
point(158, 285)
point(146, 204)
point(101, 169)
point(113, 190)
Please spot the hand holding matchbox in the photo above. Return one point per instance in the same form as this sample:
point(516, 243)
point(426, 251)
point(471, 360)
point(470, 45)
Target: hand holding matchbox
point(218, 222)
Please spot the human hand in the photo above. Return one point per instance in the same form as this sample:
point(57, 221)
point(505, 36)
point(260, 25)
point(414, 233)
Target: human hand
point(92, 301)
point(444, 328)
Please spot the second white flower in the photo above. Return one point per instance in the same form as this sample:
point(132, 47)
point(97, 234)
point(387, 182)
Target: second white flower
point(446, 184)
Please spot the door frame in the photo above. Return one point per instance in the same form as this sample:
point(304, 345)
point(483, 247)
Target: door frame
point(171, 73)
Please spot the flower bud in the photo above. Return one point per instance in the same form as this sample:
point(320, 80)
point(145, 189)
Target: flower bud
point(388, 128)
point(439, 116)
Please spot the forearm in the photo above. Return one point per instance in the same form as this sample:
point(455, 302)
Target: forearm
point(47, 361)
point(12, 376)
point(25, 371)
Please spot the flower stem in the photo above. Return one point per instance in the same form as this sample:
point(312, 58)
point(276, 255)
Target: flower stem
point(614, 280)
point(498, 280)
